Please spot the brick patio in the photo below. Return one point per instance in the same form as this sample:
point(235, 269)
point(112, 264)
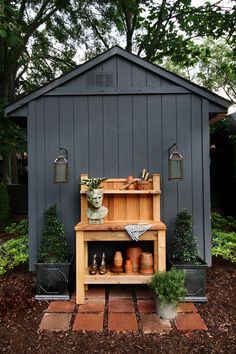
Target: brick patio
point(117, 309)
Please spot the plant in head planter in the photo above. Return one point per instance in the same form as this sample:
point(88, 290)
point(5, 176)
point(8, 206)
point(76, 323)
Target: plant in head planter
point(168, 288)
point(96, 211)
point(54, 267)
point(185, 256)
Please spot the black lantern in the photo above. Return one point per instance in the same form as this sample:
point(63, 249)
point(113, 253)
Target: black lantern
point(61, 167)
point(175, 163)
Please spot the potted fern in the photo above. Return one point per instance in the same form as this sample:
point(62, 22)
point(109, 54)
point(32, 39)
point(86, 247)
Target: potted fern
point(55, 266)
point(185, 256)
point(169, 290)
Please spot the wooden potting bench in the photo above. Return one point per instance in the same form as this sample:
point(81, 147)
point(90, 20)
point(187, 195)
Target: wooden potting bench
point(124, 207)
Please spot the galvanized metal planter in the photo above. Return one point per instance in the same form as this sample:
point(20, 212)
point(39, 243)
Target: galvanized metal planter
point(54, 281)
point(195, 280)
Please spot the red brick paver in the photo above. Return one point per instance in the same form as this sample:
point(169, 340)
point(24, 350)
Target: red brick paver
point(88, 322)
point(151, 323)
point(186, 307)
point(120, 306)
point(118, 293)
point(146, 306)
point(96, 293)
point(61, 306)
point(144, 293)
point(189, 322)
point(92, 306)
point(55, 322)
point(122, 322)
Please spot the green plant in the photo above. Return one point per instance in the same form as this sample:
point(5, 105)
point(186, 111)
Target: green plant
point(13, 252)
point(5, 210)
point(224, 245)
point(220, 222)
point(18, 229)
point(54, 245)
point(185, 249)
point(168, 286)
point(93, 183)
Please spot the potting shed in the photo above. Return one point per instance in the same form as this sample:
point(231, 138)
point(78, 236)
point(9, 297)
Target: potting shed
point(115, 115)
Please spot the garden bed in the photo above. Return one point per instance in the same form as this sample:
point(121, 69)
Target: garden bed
point(20, 315)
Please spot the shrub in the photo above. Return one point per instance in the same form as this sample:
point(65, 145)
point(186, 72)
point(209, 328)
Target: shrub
point(13, 252)
point(224, 245)
point(18, 229)
point(185, 249)
point(220, 222)
point(54, 246)
point(168, 286)
point(5, 210)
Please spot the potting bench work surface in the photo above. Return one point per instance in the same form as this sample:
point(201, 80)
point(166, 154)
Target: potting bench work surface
point(117, 309)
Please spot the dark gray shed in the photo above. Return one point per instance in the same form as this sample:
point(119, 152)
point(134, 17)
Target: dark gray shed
point(117, 114)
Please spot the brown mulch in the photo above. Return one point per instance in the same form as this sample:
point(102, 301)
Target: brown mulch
point(20, 315)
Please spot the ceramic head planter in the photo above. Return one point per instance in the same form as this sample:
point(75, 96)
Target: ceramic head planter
point(96, 211)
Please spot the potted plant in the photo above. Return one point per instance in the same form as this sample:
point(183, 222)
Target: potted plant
point(185, 256)
point(96, 211)
point(168, 288)
point(54, 268)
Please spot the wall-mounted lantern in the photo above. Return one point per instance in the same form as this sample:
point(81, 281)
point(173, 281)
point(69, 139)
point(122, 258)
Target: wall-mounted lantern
point(175, 164)
point(61, 167)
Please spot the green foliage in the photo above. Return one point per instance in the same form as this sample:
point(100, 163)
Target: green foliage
point(223, 237)
point(13, 252)
point(93, 183)
point(168, 286)
point(18, 229)
point(5, 209)
point(224, 245)
point(54, 245)
point(185, 249)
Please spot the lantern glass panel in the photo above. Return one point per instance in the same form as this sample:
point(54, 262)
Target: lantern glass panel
point(60, 170)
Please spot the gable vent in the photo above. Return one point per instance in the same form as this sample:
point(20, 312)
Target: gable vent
point(100, 79)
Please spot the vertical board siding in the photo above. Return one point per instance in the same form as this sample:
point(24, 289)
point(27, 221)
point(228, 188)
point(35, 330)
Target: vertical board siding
point(184, 146)
point(32, 189)
point(169, 189)
point(197, 173)
point(140, 144)
point(206, 253)
point(110, 136)
point(117, 136)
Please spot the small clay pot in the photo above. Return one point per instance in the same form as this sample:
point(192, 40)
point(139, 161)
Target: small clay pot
point(118, 259)
point(143, 185)
point(128, 267)
point(134, 254)
point(146, 264)
point(130, 179)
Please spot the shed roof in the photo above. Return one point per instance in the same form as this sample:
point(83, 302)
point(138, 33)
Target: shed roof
point(116, 50)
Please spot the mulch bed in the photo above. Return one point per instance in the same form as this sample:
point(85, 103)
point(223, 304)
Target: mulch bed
point(20, 315)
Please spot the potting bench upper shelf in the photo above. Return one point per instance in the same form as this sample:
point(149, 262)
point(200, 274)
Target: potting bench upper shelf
point(124, 207)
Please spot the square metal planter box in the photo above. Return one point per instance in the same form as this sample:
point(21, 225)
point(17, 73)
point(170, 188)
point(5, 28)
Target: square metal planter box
point(195, 280)
point(54, 281)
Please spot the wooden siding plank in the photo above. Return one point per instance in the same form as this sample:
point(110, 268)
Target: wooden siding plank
point(139, 76)
point(67, 190)
point(140, 134)
point(32, 182)
point(154, 129)
point(96, 148)
point(51, 148)
point(125, 136)
point(124, 73)
point(110, 136)
point(169, 204)
point(197, 171)
point(40, 165)
point(110, 66)
point(153, 80)
point(184, 144)
point(206, 182)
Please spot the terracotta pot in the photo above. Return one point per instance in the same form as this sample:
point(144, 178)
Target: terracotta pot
point(134, 254)
point(128, 266)
point(130, 180)
point(118, 259)
point(143, 185)
point(146, 263)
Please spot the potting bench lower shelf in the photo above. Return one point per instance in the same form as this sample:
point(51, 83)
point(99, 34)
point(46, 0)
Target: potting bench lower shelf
point(114, 231)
